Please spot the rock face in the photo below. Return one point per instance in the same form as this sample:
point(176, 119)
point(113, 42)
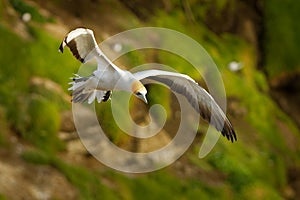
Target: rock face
point(67, 123)
point(17, 182)
point(21, 180)
point(153, 143)
point(97, 143)
point(285, 91)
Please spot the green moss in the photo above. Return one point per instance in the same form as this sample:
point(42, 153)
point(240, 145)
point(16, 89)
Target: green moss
point(133, 58)
point(32, 61)
point(261, 82)
point(162, 99)
point(245, 167)
point(22, 7)
point(87, 183)
point(14, 68)
point(260, 190)
point(238, 175)
point(53, 65)
point(280, 24)
point(33, 111)
point(176, 63)
point(162, 185)
point(37, 157)
point(114, 133)
point(43, 124)
point(242, 163)
point(2, 197)
point(52, 92)
point(259, 107)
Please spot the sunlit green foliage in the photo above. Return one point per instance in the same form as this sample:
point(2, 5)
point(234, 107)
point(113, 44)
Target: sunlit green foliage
point(43, 124)
point(165, 186)
point(32, 111)
point(248, 166)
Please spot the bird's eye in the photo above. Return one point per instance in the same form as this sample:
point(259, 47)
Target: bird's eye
point(138, 94)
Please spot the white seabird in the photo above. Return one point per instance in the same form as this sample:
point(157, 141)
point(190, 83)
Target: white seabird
point(108, 77)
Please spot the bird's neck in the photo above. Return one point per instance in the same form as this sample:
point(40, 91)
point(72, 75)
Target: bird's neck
point(125, 81)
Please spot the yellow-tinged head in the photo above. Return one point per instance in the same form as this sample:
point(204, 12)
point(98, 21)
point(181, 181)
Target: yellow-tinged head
point(139, 90)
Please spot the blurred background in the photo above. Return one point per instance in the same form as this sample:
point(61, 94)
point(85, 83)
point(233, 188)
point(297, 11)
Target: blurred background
point(255, 44)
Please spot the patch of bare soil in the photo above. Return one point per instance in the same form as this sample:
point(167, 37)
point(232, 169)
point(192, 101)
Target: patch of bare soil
point(21, 180)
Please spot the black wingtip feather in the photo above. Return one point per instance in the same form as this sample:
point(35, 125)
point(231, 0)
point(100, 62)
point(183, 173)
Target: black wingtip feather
point(229, 133)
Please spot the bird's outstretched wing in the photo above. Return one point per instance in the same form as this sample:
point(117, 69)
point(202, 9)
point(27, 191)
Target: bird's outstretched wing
point(198, 97)
point(84, 47)
point(81, 42)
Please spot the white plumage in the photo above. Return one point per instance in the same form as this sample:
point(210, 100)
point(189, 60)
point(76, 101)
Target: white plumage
point(109, 77)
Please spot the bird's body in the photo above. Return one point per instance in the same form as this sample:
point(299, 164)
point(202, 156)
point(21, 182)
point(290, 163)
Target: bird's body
point(109, 77)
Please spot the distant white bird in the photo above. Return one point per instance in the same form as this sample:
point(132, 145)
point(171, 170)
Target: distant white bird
point(235, 66)
point(108, 77)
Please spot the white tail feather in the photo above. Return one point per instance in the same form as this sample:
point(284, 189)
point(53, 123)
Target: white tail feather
point(92, 97)
point(84, 89)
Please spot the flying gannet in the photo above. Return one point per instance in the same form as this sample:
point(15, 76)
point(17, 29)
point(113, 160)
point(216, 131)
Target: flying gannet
point(108, 77)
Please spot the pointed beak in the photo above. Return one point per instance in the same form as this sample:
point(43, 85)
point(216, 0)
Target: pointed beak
point(143, 97)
